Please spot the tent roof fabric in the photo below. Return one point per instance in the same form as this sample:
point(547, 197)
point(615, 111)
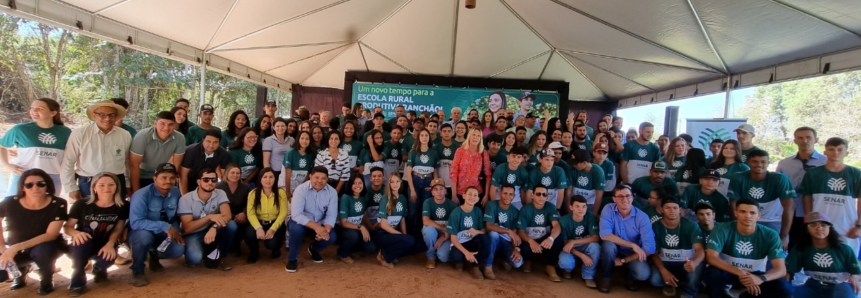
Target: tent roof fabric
point(606, 50)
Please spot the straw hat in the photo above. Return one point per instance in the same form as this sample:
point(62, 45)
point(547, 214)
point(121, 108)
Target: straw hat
point(121, 112)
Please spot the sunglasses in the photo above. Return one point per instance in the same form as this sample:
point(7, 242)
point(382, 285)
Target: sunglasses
point(540, 194)
point(30, 185)
point(209, 180)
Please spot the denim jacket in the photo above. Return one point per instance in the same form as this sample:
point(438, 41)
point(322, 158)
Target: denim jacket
point(146, 208)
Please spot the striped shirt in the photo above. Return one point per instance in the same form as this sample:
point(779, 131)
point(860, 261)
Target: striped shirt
point(338, 169)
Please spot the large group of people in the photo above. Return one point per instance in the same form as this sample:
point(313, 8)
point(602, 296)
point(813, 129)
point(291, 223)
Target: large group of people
point(505, 189)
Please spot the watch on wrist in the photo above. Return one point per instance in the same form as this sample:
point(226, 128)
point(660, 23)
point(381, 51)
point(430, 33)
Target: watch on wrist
point(624, 261)
point(858, 226)
point(764, 279)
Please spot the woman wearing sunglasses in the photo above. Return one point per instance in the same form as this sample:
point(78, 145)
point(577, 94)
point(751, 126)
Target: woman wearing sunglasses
point(33, 219)
point(95, 225)
point(830, 264)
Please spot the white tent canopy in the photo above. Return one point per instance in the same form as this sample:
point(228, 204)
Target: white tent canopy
point(631, 51)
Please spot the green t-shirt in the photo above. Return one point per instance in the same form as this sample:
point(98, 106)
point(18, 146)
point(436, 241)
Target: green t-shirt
point(446, 157)
point(226, 140)
point(654, 215)
point(438, 213)
point(768, 192)
point(299, 164)
point(506, 219)
point(586, 183)
point(367, 163)
point(397, 213)
point(519, 178)
point(726, 172)
point(461, 221)
point(831, 265)
point(687, 177)
point(196, 134)
point(693, 195)
point(38, 148)
point(537, 223)
point(500, 158)
point(639, 158)
point(554, 180)
point(673, 167)
point(573, 230)
point(585, 145)
point(374, 198)
point(353, 148)
point(246, 160)
point(674, 245)
point(408, 141)
point(744, 153)
point(386, 137)
point(643, 186)
point(132, 131)
point(749, 253)
point(609, 176)
point(353, 209)
point(834, 194)
point(394, 157)
point(424, 163)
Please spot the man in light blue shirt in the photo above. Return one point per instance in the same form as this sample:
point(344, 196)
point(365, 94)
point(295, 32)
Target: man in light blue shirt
point(314, 210)
point(152, 217)
point(794, 167)
point(628, 240)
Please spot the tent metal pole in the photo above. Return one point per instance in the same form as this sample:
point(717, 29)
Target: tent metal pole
point(203, 79)
point(727, 97)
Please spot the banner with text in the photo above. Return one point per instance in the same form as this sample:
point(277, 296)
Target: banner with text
point(428, 98)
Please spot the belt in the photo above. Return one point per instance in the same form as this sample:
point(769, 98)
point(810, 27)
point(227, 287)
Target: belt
point(422, 175)
point(267, 222)
point(822, 283)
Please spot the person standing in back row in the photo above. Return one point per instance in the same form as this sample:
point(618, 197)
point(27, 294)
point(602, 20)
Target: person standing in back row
point(155, 145)
point(638, 156)
point(795, 167)
point(745, 133)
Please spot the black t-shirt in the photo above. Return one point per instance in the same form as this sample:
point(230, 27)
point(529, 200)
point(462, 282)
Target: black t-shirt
point(97, 221)
point(195, 160)
point(238, 199)
point(24, 224)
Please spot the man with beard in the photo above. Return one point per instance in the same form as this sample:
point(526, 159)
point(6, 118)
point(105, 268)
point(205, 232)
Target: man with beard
point(657, 179)
point(639, 154)
point(206, 221)
point(206, 154)
point(581, 140)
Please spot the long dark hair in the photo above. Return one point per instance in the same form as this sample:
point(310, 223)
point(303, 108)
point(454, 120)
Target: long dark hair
point(720, 161)
point(50, 189)
point(239, 142)
point(258, 190)
point(805, 240)
point(297, 146)
point(551, 126)
point(263, 133)
point(54, 106)
point(295, 123)
point(695, 162)
point(369, 144)
point(181, 127)
point(348, 188)
point(231, 123)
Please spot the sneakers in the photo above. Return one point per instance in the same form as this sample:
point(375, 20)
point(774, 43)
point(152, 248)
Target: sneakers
point(46, 288)
point(430, 264)
point(669, 291)
point(632, 285)
point(139, 279)
point(315, 256)
point(476, 273)
point(551, 273)
point(590, 283)
point(488, 273)
point(99, 275)
point(292, 266)
point(76, 292)
point(605, 286)
point(347, 260)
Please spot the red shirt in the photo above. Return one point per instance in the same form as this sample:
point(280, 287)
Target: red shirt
point(466, 168)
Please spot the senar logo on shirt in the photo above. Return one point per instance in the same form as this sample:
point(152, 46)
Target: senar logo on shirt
point(377, 198)
point(348, 147)
point(823, 260)
point(836, 184)
point(399, 207)
point(358, 206)
point(394, 153)
point(678, 163)
point(744, 247)
point(546, 181)
point(47, 138)
point(424, 158)
point(440, 212)
point(249, 158)
point(642, 152)
point(722, 171)
point(579, 230)
point(583, 180)
point(756, 192)
point(503, 218)
point(511, 178)
point(539, 219)
point(467, 222)
point(686, 174)
point(303, 163)
point(672, 240)
point(446, 152)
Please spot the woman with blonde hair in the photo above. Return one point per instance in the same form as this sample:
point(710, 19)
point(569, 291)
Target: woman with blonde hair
point(95, 225)
point(391, 232)
point(675, 157)
point(471, 167)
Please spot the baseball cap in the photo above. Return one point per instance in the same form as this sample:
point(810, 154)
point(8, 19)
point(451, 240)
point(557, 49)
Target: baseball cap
point(530, 115)
point(659, 166)
point(270, 102)
point(711, 174)
point(816, 216)
point(437, 181)
point(601, 147)
point(380, 115)
point(207, 107)
point(527, 94)
point(556, 145)
point(579, 156)
point(745, 127)
point(165, 168)
point(545, 153)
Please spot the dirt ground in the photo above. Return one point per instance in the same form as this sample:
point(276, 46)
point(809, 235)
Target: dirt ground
point(364, 278)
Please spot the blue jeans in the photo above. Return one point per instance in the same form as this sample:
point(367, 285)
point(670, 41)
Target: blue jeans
point(12, 187)
point(505, 249)
point(144, 243)
point(393, 246)
point(688, 281)
point(636, 269)
point(430, 234)
point(86, 187)
point(351, 240)
point(414, 211)
point(195, 249)
point(81, 254)
point(44, 255)
point(717, 279)
point(479, 244)
point(813, 288)
point(568, 261)
point(297, 234)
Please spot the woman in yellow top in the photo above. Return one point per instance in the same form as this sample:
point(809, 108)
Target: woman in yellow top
point(267, 209)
